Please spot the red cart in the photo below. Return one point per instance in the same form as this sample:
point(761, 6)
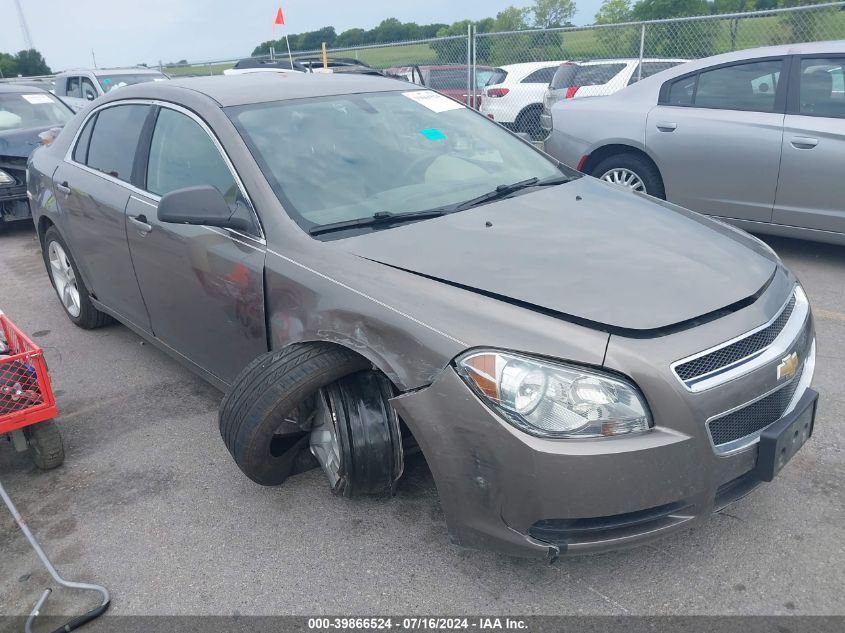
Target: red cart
point(27, 409)
point(27, 405)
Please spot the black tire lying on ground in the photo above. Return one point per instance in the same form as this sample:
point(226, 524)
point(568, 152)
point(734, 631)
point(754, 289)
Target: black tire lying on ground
point(265, 393)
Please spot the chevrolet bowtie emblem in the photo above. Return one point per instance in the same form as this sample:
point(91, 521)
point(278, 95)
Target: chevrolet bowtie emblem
point(788, 366)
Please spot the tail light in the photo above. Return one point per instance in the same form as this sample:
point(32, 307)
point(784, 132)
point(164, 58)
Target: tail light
point(497, 92)
point(570, 92)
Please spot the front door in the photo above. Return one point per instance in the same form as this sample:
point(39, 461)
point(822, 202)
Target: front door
point(203, 286)
point(716, 136)
point(811, 188)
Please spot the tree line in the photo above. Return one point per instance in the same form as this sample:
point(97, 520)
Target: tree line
point(28, 63)
point(543, 14)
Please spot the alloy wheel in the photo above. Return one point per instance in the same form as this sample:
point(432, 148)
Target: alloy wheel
point(323, 440)
point(64, 279)
point(625, 178)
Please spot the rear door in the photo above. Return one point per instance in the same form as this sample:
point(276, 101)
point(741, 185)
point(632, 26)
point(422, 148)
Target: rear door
point(92, 188)
point(811, 188)
point(203, 286)
point(716, 137)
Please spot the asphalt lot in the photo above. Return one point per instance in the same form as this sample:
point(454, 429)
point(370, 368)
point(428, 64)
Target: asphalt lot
point(150, 504)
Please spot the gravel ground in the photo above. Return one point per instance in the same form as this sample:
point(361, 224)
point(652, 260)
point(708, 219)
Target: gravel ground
point(150, 504)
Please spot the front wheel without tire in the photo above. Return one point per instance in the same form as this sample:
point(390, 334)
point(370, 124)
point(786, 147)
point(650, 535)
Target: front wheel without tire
point(65, 277)
point(631, 171)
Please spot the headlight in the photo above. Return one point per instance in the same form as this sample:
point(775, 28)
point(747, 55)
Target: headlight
point(6, 179)
point(555, 400)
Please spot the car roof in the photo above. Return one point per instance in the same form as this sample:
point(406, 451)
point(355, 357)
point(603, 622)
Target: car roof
point(242, 89)
point(20, 88)
point(627, 60)
point(809, 48)
point(111, 71)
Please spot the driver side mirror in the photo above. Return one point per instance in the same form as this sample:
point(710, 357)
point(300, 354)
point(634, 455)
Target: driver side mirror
point(203, 206)
point(90, 96)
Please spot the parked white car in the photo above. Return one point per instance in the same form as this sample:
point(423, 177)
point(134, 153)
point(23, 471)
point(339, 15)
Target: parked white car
point(597, 78)
point(514, 96)
point(77, 87)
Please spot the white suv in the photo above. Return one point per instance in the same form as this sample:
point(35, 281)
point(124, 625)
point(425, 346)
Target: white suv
point(514, 96)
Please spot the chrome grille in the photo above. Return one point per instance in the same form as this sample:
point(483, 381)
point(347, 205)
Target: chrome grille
point(754, 417)
point(748, 346)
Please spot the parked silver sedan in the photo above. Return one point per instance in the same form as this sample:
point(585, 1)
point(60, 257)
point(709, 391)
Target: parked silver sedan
point(756, 137)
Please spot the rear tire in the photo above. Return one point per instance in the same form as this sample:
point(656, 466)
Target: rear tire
point(638, 166)
point(45, 444)
point(87, 317)
point(266, 394)
point(528, 121)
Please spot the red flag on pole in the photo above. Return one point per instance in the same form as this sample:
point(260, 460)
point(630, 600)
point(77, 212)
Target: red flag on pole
point(280, 17)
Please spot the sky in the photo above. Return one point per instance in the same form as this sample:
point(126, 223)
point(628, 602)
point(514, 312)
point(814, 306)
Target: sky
point(128, 32)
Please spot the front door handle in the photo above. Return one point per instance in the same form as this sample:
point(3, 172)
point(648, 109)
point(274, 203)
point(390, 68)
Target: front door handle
point(667, 126)
point(140, 221)
point(804, 142)
point(63, 187)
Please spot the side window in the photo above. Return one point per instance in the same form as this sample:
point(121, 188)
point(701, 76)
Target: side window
point(822, 87)
point(741, 87)
point(80, 152)
point(72, 88)
point(114, 140)
point(183, 155)
point(88, 90)
point(681, 91)
point(542, 76)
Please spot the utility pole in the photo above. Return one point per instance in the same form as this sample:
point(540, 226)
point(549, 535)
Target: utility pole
point(27, 37)
point(93, 58)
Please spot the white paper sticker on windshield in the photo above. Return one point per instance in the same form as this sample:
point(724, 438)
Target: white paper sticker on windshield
point(38, 98)
point(433, 101)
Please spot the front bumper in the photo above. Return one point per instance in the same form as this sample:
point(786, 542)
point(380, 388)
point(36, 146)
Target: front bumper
point(14, 204)
point(534, 497)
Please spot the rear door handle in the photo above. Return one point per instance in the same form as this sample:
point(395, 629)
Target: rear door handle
point(804, 142)
point(666, 126)
point(140, 221)
point(63, 187)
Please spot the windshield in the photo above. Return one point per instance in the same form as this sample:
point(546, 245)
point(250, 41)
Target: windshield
point(20, 111)
point(110, 82)
point(345, 157)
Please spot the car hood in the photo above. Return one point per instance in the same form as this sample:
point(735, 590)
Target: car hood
point(585, 251)
point(20, 143)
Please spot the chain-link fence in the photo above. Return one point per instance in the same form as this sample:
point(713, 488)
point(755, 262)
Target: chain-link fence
point(512, 76)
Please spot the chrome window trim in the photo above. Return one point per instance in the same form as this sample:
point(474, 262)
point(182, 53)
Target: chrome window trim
point(755, 360)
point(68, 158)
point(740, 444)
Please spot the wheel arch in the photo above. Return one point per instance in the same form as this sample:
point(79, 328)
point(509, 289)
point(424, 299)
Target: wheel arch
point(597, 155)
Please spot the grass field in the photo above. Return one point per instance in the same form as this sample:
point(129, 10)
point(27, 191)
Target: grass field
point(687, 39)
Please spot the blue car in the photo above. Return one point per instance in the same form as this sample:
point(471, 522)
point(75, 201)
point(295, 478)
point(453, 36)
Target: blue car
point(25, 112)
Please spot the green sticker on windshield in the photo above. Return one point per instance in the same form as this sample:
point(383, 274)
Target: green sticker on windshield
point(433, 134)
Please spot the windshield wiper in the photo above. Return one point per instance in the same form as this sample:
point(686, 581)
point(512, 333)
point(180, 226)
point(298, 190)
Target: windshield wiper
point(502, 191)
point(377, 219)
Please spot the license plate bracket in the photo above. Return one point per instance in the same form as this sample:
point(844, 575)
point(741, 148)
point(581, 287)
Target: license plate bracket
point(782, 440)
